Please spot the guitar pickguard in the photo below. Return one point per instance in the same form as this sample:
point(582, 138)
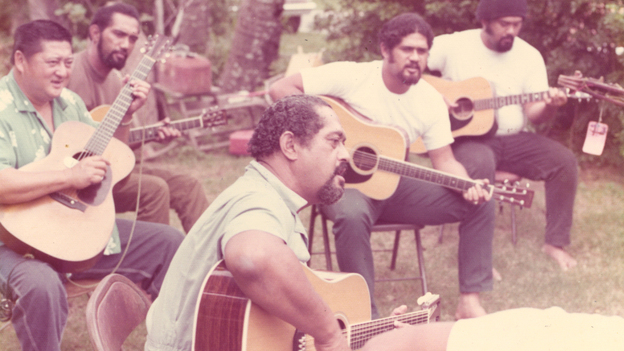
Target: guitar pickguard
point(95, 194)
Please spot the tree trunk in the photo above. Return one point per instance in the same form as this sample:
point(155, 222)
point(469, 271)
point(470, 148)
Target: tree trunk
point(255, 45)
point(194, 26)
point(30, 10)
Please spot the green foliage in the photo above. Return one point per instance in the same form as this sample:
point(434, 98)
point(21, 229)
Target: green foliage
point(221, 23)
point(571, 35)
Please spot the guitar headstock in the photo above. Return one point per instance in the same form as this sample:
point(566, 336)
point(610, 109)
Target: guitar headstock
point(430, 302)
point(214, 116)
point(514, 194)
point(594, 87)
point(157, 46)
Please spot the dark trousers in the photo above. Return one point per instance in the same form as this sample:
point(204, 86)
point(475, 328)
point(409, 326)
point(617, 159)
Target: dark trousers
point(533, 157)
point(417, 202)
point(40, 311)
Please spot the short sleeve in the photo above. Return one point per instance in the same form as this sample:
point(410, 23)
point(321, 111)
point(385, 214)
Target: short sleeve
point(256, 212)
point(7, 155)
point(437, 58)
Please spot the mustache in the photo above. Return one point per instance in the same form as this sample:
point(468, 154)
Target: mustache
point(413, 65)
point(121, 51)
point(341, 169)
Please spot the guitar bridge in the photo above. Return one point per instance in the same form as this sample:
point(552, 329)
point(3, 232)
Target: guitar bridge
point(69, 201)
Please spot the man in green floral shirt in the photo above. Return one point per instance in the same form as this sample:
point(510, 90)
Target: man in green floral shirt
point(33, 104)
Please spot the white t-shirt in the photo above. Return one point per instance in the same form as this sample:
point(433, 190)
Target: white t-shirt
point(533, 329)
point(462, 55)
point(420, 111)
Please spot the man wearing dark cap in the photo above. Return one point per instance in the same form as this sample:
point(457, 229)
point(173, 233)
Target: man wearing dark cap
point(513, 67)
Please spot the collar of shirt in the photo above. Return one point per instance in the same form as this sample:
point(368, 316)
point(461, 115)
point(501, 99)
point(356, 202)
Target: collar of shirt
point(291, 198)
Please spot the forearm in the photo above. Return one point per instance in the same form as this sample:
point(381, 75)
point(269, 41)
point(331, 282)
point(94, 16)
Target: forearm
point(22, 186)
point(539, 112)
point(422, 337)
point(291, 85)
point(272, 277)
point(443, 160)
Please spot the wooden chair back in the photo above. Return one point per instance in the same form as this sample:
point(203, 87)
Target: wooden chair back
point(115, 309)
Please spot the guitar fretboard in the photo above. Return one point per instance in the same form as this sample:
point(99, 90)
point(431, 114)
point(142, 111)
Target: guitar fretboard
point(100, 139)
point(365, 160)
point(498, 102)
point(362, 332)
point(151, 132)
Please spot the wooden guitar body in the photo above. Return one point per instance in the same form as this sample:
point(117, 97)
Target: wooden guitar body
point(70, 239)
point(383, 140)
point(228, 321)
point(465, 120)
point(70, 229)
point(378, 155)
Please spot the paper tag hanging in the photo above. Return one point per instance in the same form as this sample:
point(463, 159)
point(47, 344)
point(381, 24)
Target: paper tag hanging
point(596, 138)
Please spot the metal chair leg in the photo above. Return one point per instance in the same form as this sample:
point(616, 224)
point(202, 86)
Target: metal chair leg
point(421, 261)
point(395, 249)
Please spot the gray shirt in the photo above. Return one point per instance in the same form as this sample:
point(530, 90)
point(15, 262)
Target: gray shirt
point(256, 201)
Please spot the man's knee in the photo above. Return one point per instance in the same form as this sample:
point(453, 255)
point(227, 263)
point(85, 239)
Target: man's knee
point(37, 281)
point(154, 189)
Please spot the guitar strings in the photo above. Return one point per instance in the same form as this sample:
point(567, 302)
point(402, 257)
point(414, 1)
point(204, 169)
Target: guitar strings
point(367, 161)
point(361, 333)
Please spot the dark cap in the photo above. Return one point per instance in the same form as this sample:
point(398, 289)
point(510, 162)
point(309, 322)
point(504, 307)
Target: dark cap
point(493, 9)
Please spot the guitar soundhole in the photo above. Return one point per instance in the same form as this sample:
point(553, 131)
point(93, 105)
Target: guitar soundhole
point(364, 159)
point(464, 109)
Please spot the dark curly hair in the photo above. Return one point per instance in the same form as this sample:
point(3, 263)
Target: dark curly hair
point(104, 15)
point(28, 37)
point(295, 113)
point(401, 26)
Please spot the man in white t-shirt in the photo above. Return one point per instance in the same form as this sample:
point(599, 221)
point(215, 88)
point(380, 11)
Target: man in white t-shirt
point(513, 67)
point(520, 329)
point(391, 92)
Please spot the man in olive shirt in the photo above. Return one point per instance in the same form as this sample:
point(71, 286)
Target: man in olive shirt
point(113, 32)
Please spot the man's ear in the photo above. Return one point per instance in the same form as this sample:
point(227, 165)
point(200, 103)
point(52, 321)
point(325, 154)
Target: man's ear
point(383, 50)
point(289, 145)
point(19, 60)
point(94, 33)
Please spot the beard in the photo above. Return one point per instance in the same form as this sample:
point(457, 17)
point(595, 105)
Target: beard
point(503, 44)
point(405, 77)
point(329, 193)
point(109, 60)
point(410, 79)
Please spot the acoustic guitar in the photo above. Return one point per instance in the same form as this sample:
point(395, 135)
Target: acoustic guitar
point(209, 118)
point(377, 161)
point(69, 229)
point(474, 113)
point(226, 320)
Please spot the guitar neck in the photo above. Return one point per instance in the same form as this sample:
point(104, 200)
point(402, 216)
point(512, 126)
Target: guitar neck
point(150, 133)
point(501, 101)
point(118, 109)
point(362, 332)
point(411, 170)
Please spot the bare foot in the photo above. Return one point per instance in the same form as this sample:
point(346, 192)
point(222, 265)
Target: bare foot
point(564, 259)
point(469, 306)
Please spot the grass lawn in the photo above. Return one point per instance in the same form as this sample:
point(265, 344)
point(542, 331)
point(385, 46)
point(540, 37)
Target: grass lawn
point(530, 279)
